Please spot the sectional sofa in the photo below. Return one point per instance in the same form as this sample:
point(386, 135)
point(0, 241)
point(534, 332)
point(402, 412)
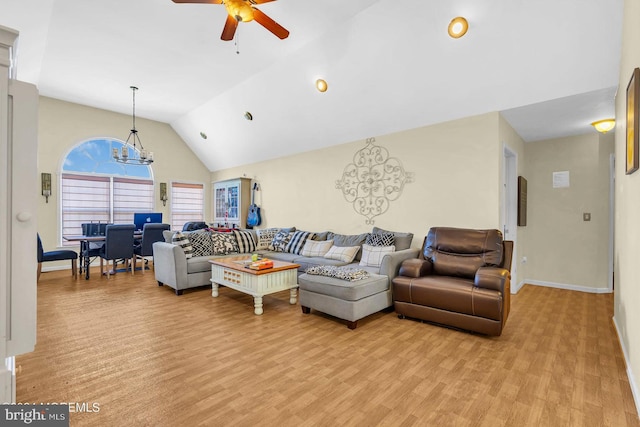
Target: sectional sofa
point(181, 270)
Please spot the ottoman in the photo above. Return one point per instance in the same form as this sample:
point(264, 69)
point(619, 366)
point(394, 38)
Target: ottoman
point(350, 301)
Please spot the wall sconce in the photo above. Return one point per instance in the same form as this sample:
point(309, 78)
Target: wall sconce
point(163, 193)
point(605, 125)
point(46, 185)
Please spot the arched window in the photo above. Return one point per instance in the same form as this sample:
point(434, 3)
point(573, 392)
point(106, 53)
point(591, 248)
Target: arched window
point(96, 188)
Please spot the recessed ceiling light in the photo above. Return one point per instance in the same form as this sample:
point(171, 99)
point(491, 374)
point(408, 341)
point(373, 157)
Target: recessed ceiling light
point(203, 135)
point(248, 115)
point(458, 27)
point(321, 85)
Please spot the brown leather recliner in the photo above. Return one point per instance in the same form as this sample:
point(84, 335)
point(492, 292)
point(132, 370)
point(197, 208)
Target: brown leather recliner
point(461, 279)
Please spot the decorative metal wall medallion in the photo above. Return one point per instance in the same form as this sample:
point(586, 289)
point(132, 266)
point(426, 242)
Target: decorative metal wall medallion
point(373, 180)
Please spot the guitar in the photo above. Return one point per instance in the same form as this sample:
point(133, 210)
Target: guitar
point(253, 218)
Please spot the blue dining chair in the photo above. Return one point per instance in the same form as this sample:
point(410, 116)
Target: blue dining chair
point(151, 233)
point(118, 244)
point(58, 255)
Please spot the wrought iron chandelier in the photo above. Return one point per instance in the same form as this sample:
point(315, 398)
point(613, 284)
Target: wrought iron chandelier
point(135, 156)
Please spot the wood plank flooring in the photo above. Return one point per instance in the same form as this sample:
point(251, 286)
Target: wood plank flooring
point(150, 358)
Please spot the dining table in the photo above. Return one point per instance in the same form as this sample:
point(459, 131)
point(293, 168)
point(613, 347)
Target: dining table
point(83, 255)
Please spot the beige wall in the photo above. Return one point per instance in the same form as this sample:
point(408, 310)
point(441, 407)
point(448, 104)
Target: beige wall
point(62, 125)
point(627, 216)
point(455, 166)
point(561, 248)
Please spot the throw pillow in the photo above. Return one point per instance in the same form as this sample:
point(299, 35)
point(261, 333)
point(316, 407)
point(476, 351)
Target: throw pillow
point(316, 248)
point(183, 241)
point(224, 243)
point(280, 240)
point(265, 236)
point(201, 242)
point(297, 241)
point(342, 253)
point(372, 255)
point(245, 241)
point(402, 240)
point(350, 240)
point(382, 239)
point(344, 273)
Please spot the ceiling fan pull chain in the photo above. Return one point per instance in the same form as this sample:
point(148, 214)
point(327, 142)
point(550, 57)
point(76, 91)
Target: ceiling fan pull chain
point(237, 43)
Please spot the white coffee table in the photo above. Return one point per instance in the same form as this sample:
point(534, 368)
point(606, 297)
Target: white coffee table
point(233, 273)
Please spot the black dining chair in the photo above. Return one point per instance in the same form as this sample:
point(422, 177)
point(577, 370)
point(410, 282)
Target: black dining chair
point(118, 244)
point(57, 255)
point(194, 225)
point(151, 233)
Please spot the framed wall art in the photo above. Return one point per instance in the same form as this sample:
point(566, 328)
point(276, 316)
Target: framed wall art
point(633, 96)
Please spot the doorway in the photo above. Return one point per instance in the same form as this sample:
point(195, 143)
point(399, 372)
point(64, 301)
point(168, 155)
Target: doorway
point(510, 208)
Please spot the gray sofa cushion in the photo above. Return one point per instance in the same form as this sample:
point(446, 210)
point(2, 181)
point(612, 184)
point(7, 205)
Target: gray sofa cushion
point(350, 240)
point(343, 289)
point(198, 264)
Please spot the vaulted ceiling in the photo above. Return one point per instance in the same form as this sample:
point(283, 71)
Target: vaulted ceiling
point(551, 67)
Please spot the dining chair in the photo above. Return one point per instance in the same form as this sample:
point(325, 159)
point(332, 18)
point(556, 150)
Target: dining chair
point(151, 233)
point(57, 255)
point(118, 244)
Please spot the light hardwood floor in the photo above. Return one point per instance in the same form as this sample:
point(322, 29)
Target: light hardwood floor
point(151, 358)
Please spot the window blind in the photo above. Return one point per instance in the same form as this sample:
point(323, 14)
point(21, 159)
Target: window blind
point(130, 196)
point(187, 204)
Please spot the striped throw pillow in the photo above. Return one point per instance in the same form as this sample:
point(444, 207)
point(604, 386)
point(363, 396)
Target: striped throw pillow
point(182, 241)
point(297, 241)
point(246, 244)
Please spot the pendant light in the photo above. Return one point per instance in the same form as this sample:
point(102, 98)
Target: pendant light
point(135, 156)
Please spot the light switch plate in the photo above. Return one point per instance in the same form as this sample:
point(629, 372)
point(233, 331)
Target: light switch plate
point(586, 216)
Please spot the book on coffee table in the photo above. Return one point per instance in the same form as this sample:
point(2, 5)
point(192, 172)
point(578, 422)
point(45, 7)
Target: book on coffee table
point(261, 264)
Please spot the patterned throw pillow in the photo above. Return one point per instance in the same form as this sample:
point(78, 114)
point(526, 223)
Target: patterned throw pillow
point(265, 236)
point(297, 241)
point(280, 240)
point(342, 253)
point(372, 255)
point(316, 248)
point(381, 239)
point(201, 242)
point(224, 243)
point(344, 273)
point(245, 241)
point(182, 241)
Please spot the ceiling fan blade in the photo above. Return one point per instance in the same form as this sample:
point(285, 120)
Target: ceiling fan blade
point(259, 1)
point(199, 1)
point(270, 24)
point(229, 29)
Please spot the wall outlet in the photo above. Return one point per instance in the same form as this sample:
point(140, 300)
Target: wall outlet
point(586, 216)
point(524, 259)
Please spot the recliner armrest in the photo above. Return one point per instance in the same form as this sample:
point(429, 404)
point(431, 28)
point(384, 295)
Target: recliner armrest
point(415, 267)
point(492, 278)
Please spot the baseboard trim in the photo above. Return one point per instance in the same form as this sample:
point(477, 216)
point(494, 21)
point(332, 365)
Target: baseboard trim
point(516, 289)
point(634, 388)
point(569, 287)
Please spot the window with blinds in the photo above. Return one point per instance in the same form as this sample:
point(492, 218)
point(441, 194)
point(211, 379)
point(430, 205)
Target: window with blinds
point(110, 199)
point(187, 204)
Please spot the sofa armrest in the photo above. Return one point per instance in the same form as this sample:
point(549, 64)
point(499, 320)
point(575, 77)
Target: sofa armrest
point(416, 268)
point(391, 262)
point(495, 278)
point(170, 264)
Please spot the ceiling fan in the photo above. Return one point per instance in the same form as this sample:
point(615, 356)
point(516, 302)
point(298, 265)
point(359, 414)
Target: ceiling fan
point(243, 11)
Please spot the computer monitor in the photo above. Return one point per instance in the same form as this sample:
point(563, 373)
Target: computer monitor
point(140, 219)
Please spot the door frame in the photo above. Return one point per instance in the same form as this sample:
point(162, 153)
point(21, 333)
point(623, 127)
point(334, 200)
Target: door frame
point(510, 207)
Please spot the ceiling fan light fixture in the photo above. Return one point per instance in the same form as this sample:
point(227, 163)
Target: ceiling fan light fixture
point(458, 27)
point(239, 10)
point(604, 125)
point(321, 85)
